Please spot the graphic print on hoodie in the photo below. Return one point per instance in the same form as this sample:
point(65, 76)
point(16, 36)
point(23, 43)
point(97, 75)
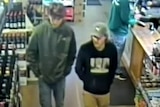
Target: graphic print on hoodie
point(99, 65)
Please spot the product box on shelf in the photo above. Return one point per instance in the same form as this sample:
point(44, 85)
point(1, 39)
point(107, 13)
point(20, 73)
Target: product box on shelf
point(79, 8)
point(78, 17)
point(77, 2)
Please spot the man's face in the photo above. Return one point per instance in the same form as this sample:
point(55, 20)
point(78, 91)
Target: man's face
point(56, 21)
point(98, 42)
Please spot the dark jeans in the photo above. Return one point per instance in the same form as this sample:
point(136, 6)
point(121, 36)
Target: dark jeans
point(45, 92)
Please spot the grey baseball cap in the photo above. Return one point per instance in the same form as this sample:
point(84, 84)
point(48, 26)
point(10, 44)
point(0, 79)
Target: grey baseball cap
point(99, 29)
point(56, 10)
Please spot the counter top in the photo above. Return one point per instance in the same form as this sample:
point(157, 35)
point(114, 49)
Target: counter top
point(145, 37)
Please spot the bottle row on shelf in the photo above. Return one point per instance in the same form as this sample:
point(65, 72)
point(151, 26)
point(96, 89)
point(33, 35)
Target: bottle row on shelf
point(17, 40)
point(9, 79)
point(15, 20)
point(149, 85)
point(147, 97)
point(152, 63)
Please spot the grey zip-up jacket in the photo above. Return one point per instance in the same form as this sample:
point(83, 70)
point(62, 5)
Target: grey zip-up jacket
point(51, 52)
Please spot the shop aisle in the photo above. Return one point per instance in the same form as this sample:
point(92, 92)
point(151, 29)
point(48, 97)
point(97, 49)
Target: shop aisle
point(74, 86)
point(82, 31)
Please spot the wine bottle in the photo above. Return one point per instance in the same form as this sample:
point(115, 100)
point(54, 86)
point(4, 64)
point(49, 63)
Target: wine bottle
point(17, 41)
point(5, 80)
point(27, 37)
point(7, 72)
point(22, 40)
point(19, 20)
point(3, 91)
point(23, 20)
point(8, 59)
point(7, 21)
point(11, 20)
point(15, 20)
point(0, 71)
point(3, 53)
point(4, 37)
point(10, 45)
point(13, 39)
point(3, 85)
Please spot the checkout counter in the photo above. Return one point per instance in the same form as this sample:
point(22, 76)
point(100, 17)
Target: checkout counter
point(138, 45)
point(140, 42)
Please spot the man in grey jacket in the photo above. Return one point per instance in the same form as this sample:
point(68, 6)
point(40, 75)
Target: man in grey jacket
point(50, 55)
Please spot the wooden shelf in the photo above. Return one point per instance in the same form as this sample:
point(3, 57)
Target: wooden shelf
point(16, 30)
point(146, 38)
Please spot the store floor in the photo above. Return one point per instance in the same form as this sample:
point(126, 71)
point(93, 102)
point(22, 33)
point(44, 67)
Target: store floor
point(122, 92)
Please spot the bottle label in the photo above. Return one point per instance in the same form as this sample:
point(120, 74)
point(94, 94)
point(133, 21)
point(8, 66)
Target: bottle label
point(2, 53)
point(10, 52)
point(15, 25)
point(9, 46)
point(23, 24)
point(18, 46)
point(11, 25)
point(22, 45)
point(19, 24)
point(7, 25)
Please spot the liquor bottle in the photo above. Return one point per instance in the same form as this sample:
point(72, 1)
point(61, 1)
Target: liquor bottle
point(7, 21)
point(15, 20)
point(10, 52)
point(22, 38)
point(5, 80)
point(8, 59)
point(3, 85)
point(27, 38)
point(7, 72)
point(23, 20)
point(11, 20)
point(10, 45)
point(4, 37)
point(17, 37)
point(3, 53)
point(3, 91)
point(13, 38)
point(19, 19)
